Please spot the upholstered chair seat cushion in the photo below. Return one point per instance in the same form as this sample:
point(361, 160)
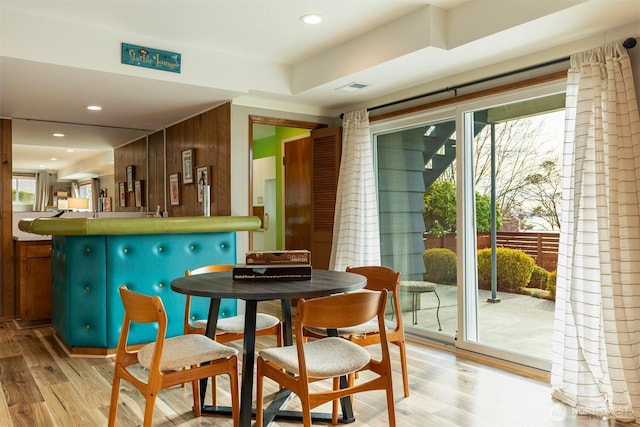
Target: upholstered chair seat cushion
point(326, 358)
point(186, 350)
point(235, 324)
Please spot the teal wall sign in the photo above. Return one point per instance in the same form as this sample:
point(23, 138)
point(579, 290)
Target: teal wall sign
point(141, 56)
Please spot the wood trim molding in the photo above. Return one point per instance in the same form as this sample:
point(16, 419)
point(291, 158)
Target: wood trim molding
point(475, 95)
point(7, 288)
point(282, 122)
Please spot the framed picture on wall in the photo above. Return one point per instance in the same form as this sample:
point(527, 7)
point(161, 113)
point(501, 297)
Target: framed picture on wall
point(174, 189)
point(139, 191)
point(187, 166)
point(107, 204)
point(131, 176)
point(202, 175)
point(123, 194)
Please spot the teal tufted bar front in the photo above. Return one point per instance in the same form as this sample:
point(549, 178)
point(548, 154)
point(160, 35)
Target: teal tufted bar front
point(88, 270)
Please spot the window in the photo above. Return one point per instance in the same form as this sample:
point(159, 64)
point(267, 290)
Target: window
point(23, 189)
point(85, 191)
point(437, 189)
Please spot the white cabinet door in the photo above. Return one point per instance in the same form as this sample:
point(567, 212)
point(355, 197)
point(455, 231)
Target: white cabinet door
point(263, 169)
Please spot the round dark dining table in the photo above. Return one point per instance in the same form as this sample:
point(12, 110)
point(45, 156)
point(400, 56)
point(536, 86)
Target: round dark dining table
point(217, 286)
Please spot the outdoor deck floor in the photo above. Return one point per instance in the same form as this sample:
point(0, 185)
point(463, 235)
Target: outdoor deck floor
point(518, 323)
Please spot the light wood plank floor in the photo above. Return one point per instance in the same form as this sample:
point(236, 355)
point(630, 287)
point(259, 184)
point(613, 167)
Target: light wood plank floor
point(43, 386)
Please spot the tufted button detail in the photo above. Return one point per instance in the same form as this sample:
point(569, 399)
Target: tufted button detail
point(161, 285)
point(87, 288)
point(160, 249)
point(87, 327)
point(222, 245)
point(192, 247)
point(125, 250)
point(223, 314)
point(87, 250)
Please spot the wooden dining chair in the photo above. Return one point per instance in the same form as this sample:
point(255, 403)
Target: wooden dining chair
point(165, 359)
point(228, 329)
point(378, 278)
point(296, 367)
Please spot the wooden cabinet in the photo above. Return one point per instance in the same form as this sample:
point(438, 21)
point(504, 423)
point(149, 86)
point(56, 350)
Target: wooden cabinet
point(33, 278)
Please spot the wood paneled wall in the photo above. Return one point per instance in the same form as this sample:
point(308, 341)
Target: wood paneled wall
point(156, 175)
point(209, 135)
point(133, 154)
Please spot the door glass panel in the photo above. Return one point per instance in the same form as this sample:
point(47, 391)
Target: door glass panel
point(417, 209)
point(516, 186)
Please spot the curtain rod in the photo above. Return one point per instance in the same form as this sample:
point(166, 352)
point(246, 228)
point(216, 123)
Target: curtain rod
point(628, 44)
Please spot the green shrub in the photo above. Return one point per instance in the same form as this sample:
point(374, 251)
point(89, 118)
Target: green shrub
point(539, 278)
point(514, 269)
point(551, 283)
point(440, 264)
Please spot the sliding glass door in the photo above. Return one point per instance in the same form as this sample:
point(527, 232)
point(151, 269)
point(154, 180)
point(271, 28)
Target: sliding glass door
point(469, 208)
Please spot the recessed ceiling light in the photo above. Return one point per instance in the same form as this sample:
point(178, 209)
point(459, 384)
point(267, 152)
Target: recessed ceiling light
point(311, 19)
point(94, 108)
point(70, 150)
point(352, 87)
point(53, 159)
point(58, 135)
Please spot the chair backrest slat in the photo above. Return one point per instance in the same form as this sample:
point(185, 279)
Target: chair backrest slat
point(142, 308)
point(347, 310)
point(378, 277)
point(214, 268)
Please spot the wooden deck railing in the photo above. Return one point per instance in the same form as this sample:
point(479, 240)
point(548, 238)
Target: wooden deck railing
point(542, 246)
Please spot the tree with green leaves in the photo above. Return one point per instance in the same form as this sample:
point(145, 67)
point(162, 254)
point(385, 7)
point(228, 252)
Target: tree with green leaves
point(440, 209)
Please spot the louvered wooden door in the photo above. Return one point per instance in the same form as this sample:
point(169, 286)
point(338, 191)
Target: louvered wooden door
point(326, 145)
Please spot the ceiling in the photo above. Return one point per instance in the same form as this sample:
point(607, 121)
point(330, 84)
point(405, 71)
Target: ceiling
point(57, 57)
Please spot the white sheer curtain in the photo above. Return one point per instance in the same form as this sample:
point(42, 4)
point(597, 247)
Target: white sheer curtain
point(596, 348)
point(43, 191)
point(75, 189)
point(356, 237)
